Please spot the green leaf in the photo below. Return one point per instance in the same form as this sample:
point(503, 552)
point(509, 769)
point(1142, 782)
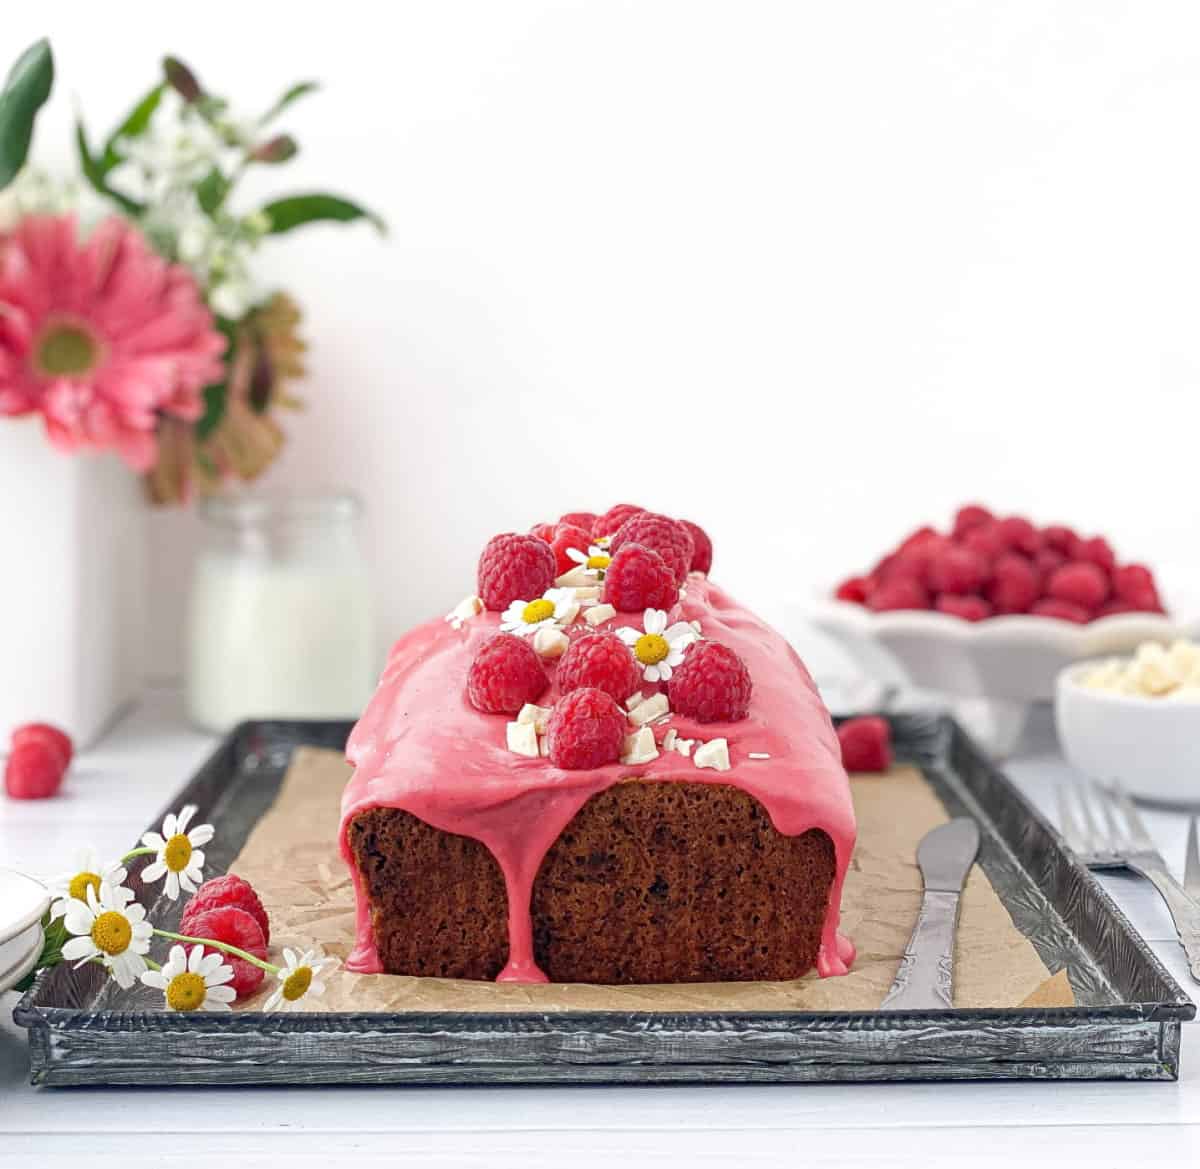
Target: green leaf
point(136, 122)
point(25, 92)
point(95, 175)
point(215, 398)
point(297, 210)
point(299, 90)
point(211, 191)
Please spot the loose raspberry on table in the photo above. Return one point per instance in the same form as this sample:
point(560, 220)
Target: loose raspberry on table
point(611, 520)
point(1014, 585)
point(234, 927)
point(505, 675)
point(898, 593)
point(580, 519)
point(46, 732)
point(638, 578)
point(514, 567)
point(1019, 534)
point(973, 515)
point(918, 539)
point(34, 770)
point(568, 536)
point(585, 729)
point(956, 570)
point(1132, 583)
point(1062, 610)
point(603, 662)
point(668, 537)
point(866, 743)
point(218, 892)
point(1095, 551)
point(702, 556)
point(1082, 583)
point(711, 684)
point(855, 588)
point(970, 608)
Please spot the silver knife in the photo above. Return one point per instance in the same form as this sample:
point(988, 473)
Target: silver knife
point(1191, 872)
point(925, 980)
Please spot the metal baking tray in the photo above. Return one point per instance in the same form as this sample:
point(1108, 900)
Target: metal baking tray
point(84, 1030)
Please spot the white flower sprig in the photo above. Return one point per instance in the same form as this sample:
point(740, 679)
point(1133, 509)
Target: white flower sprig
point(193, 981)
point(90, 873)
point(299, 978)
point(594, 561)
point(109, 928)
point(659, 650)
point(178, 853)
point(554, 608)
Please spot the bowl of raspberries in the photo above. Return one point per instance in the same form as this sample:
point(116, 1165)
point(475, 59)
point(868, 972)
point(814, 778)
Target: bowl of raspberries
point(994, 607)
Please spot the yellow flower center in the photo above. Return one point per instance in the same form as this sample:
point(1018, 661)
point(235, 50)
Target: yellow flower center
point(177, 853)
point(537, 611)
point(598, 561)
point(651, 648)
point(66, 350)
point(112, 932)
point(296, 985)
point(81, 883)
point(186, 991)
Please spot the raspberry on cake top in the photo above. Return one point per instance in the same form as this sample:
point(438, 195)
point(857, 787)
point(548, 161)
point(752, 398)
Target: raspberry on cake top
point(588, 657)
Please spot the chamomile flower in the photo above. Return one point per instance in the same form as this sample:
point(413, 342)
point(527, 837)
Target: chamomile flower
point(658, 649)
point(299, 978)
point(552, 608)
point(193, 981)
point(108, 928)
point(88, 873)
point(594, 561)
point(178, 852)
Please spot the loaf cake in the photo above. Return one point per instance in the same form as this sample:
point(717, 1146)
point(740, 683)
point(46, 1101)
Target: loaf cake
point(598, 768)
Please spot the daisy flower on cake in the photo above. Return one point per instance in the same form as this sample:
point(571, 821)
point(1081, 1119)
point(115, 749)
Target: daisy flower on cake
point(594, 561)
point(101, 336)
point(555, 607)
point(111, 928)
point(178, 853)
point(659, 650)
point(88, 873)
point(193, 982)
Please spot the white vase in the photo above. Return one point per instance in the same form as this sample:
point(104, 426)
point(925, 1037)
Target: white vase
point(72, 586)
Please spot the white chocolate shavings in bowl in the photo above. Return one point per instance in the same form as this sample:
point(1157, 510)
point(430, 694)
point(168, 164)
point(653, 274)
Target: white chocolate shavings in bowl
point(1154, 671)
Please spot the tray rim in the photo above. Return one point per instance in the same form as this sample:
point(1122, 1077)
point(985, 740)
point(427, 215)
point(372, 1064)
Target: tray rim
point(1168, 1010)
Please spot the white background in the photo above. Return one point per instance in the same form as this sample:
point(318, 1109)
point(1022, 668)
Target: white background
point(808, 273)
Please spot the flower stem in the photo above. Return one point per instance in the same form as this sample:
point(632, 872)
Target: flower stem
point(224, 946)
point(138, 852)
point(151, 963)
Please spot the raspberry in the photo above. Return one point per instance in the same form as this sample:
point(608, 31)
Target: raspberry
point(956, 570)
point(34, 770)
point(1063, 610)
point(711, 684)
point(1046, 561)
point(543, 531)
point(973, 515)
point(46, 733)
point(1060, 538)
point(968, 608)
point(568, 536)
point(1081, 583)
point(234, 927)
point(668, 537)
point(1019, 534)
point(1134, 584)
point(899, 593)
point(221, 891)
point(513, 568)
point(638, 578)
point(612, 519)
point(505, 674)
point(854, 589)
point(603, 662)
point(918, 539)
point(1014, 584)
point(585, 729)
point(987, 541)
point(866, 743)
point(1095, 551)
point(702, 556)
point(579, 519)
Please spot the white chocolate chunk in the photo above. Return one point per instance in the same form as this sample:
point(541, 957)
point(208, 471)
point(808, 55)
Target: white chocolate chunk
point(634, 700)
point(684, 746)
point(714, 754)
point(522, 739)
point(758, 755)
point(532, 713)
point(543, 745)
point(668, 743)
point(589, 593)
point(574, 578)
point(569, 613)
point(467, 608)
point(598, 614)
point(653, 707)
point(549, 642)
point(639, 747)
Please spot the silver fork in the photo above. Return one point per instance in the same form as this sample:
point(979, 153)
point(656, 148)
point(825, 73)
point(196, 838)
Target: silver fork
point(1100, 840)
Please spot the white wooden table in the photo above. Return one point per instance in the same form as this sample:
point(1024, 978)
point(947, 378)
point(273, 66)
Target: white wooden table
point(116, 787)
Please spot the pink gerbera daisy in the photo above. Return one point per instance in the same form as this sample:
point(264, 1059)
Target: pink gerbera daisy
point(100, 337)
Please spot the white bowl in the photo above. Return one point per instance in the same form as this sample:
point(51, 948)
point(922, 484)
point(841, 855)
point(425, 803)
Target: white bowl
point(1151, 745)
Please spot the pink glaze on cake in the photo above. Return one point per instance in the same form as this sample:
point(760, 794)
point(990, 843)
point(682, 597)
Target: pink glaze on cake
point(420, 746)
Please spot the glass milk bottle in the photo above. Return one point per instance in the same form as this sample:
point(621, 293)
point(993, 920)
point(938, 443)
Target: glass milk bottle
point(280, 622)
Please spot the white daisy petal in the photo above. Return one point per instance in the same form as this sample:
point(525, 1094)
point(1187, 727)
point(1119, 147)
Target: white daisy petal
point(274, 1000)
point(155, 978)
point(155, 871)
point(80, 947)
point(651, 674)
point(153, 840)
point(169, 829)
point(78, 918)
point(664, 671)
point(628, 634)
point(578, 556)
point(222, 995)
point(172, 885)
point(185, 818)
point(201, 835)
